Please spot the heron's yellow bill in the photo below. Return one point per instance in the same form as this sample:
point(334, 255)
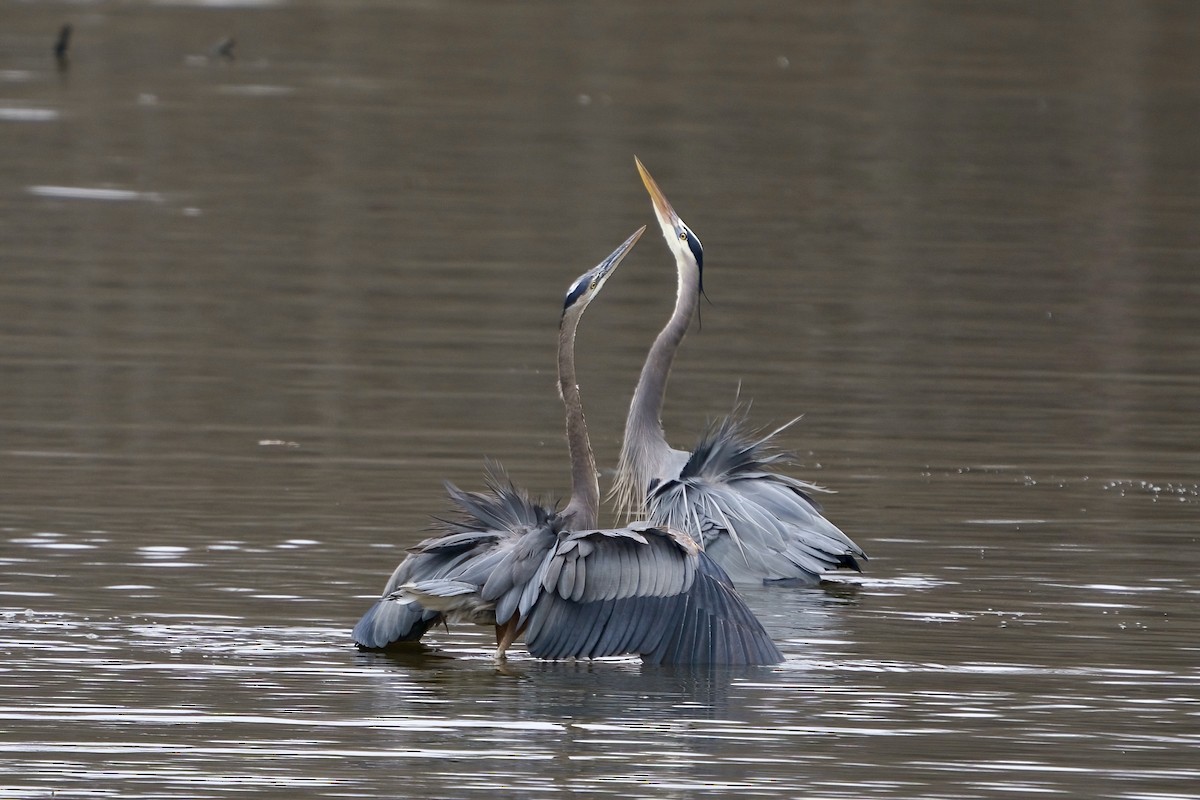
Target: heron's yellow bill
point(661, 206)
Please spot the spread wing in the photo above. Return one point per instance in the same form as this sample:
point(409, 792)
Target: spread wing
point(642, 589)
point(646, 590)
point(758, 524)
point(391, 620)
point(488, 527)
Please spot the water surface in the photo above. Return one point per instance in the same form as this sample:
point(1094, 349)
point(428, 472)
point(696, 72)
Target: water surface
point(254, 311)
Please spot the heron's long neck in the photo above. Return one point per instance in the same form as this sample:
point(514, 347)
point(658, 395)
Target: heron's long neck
point(584, 506)
point(645, 447)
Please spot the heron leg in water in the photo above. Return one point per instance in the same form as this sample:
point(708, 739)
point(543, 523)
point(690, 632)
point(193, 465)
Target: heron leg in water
point(506, 634)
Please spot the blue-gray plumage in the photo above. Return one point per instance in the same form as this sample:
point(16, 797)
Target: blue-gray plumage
point(727, 494)
point(388, 622)
point(573, 590)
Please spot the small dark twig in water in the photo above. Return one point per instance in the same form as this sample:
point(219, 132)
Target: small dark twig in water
point(61, 45)
point(224, 48)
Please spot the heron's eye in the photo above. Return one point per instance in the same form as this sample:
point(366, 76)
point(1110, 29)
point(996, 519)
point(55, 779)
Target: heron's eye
point(683, 236)
point(593, 284)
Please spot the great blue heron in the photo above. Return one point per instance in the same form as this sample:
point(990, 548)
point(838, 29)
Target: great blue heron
point(757, 523)
point(572, 590)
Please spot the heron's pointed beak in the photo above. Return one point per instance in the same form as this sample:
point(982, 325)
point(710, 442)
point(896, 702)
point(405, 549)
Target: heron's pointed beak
point(605, 267)
point(588, 285)
point(666, 215)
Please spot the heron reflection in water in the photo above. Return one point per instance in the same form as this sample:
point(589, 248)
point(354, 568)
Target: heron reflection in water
point(572, 590)
point(760, 525)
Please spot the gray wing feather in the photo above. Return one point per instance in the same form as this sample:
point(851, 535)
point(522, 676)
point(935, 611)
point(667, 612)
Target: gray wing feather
point(566, 577)
point(437, 588)
point(456, 542)
point(388, 622)
point(715, 626)
point(627, 622)
point(603, 578)
point(647, 591)
point(488, 528)
point(759, 524)
point(580, 579)
point(391, 620)
point(628, 585)
point(512, 582)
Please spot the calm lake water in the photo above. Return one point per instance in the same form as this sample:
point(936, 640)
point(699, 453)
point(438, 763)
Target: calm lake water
point(254, 311)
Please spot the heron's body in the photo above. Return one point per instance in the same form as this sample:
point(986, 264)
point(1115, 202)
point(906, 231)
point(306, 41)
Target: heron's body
point(756, 522)
point(570, 588)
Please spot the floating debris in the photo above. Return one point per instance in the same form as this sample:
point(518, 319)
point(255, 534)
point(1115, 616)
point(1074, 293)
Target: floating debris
point(223, 49)
point(62, 44)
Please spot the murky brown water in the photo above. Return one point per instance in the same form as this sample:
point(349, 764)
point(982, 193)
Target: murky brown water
point(252, 313)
